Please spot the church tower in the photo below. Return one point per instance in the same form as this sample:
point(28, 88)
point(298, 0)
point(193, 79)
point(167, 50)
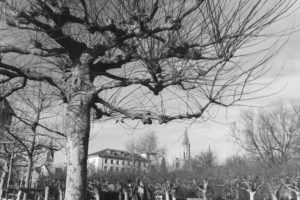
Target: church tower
point(183, 161)
point(186, 148)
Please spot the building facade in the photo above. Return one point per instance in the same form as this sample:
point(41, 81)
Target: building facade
point(183, 162)
point(113, 160)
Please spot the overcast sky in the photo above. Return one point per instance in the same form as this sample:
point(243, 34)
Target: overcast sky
point(215, 134)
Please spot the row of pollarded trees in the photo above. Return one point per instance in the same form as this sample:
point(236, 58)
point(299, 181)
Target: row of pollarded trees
point(183, 184)
point(29, 140)
point(153, 61)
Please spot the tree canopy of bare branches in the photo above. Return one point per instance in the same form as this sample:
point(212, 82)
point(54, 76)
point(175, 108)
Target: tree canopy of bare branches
point(157, 60)
point(148, 144)
point(29, 130)
point(271, 134)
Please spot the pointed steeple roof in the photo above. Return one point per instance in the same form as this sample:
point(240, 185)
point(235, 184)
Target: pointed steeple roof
point(186, 140)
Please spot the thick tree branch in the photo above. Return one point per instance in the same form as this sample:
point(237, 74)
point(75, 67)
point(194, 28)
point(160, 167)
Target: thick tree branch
point(30, 123)
point(33, 51)
point(85, 10)
point(55, 32)
point(124, 83)
point(148, 117)
point(14, 72)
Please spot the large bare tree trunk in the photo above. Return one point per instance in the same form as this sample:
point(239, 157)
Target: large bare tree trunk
point(9, 171)
point(9, 174)
point(125, 195)
point(97, 195)
point(204, 197)
point(274, 197)
point(77, 124)
point(167, 195)
point(19, 195)
point(60, 194)
point(28, 176)
point(252, 195)
point(3, 176)
point(46, 193)
point(297, 194)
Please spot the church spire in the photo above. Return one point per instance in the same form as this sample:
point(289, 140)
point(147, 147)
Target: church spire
point(186, 140)
point(186, 146)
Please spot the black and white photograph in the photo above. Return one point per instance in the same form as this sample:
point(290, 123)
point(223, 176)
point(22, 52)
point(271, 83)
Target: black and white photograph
point(149, 100)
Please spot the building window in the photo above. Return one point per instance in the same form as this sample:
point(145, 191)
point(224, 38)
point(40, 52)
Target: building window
point(123, 169)
point(145, 164)
point(105, 168)
point(123, 162)
point(111, 161)
point(117, 162)
point(117, 169)
point(128, 163)
point(111, 169)
point(105, 161)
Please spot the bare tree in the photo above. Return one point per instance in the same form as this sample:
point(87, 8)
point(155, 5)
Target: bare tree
point(205, 160)
point(270, 134)
point(147, 144)
point(30, 129)
point(203, 189)
point(251, 185)
point(273, 186)
point(293, 186)
point(8, 148)
point(142, 60)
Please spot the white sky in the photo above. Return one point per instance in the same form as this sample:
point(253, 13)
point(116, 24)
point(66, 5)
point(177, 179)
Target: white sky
point(113, 135)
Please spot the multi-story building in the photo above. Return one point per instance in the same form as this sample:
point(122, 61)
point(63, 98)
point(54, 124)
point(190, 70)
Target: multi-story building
point(114, 160)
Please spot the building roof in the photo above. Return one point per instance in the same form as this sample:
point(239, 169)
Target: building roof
point(186, 140)
point(117, 154)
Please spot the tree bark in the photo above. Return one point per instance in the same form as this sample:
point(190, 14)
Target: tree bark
point(97, 195)
point(274, 197)
point(2, 183)
point(46, 193)
point(251, 194)
point(167, 195)
point(204, 195)
point(9, 174)
point(28, 176)
point(125, 195)
point(9, 171)
point(19, 195)
point(3, 176)
point(60, 194)
point(298, 195)
point(77, 127)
